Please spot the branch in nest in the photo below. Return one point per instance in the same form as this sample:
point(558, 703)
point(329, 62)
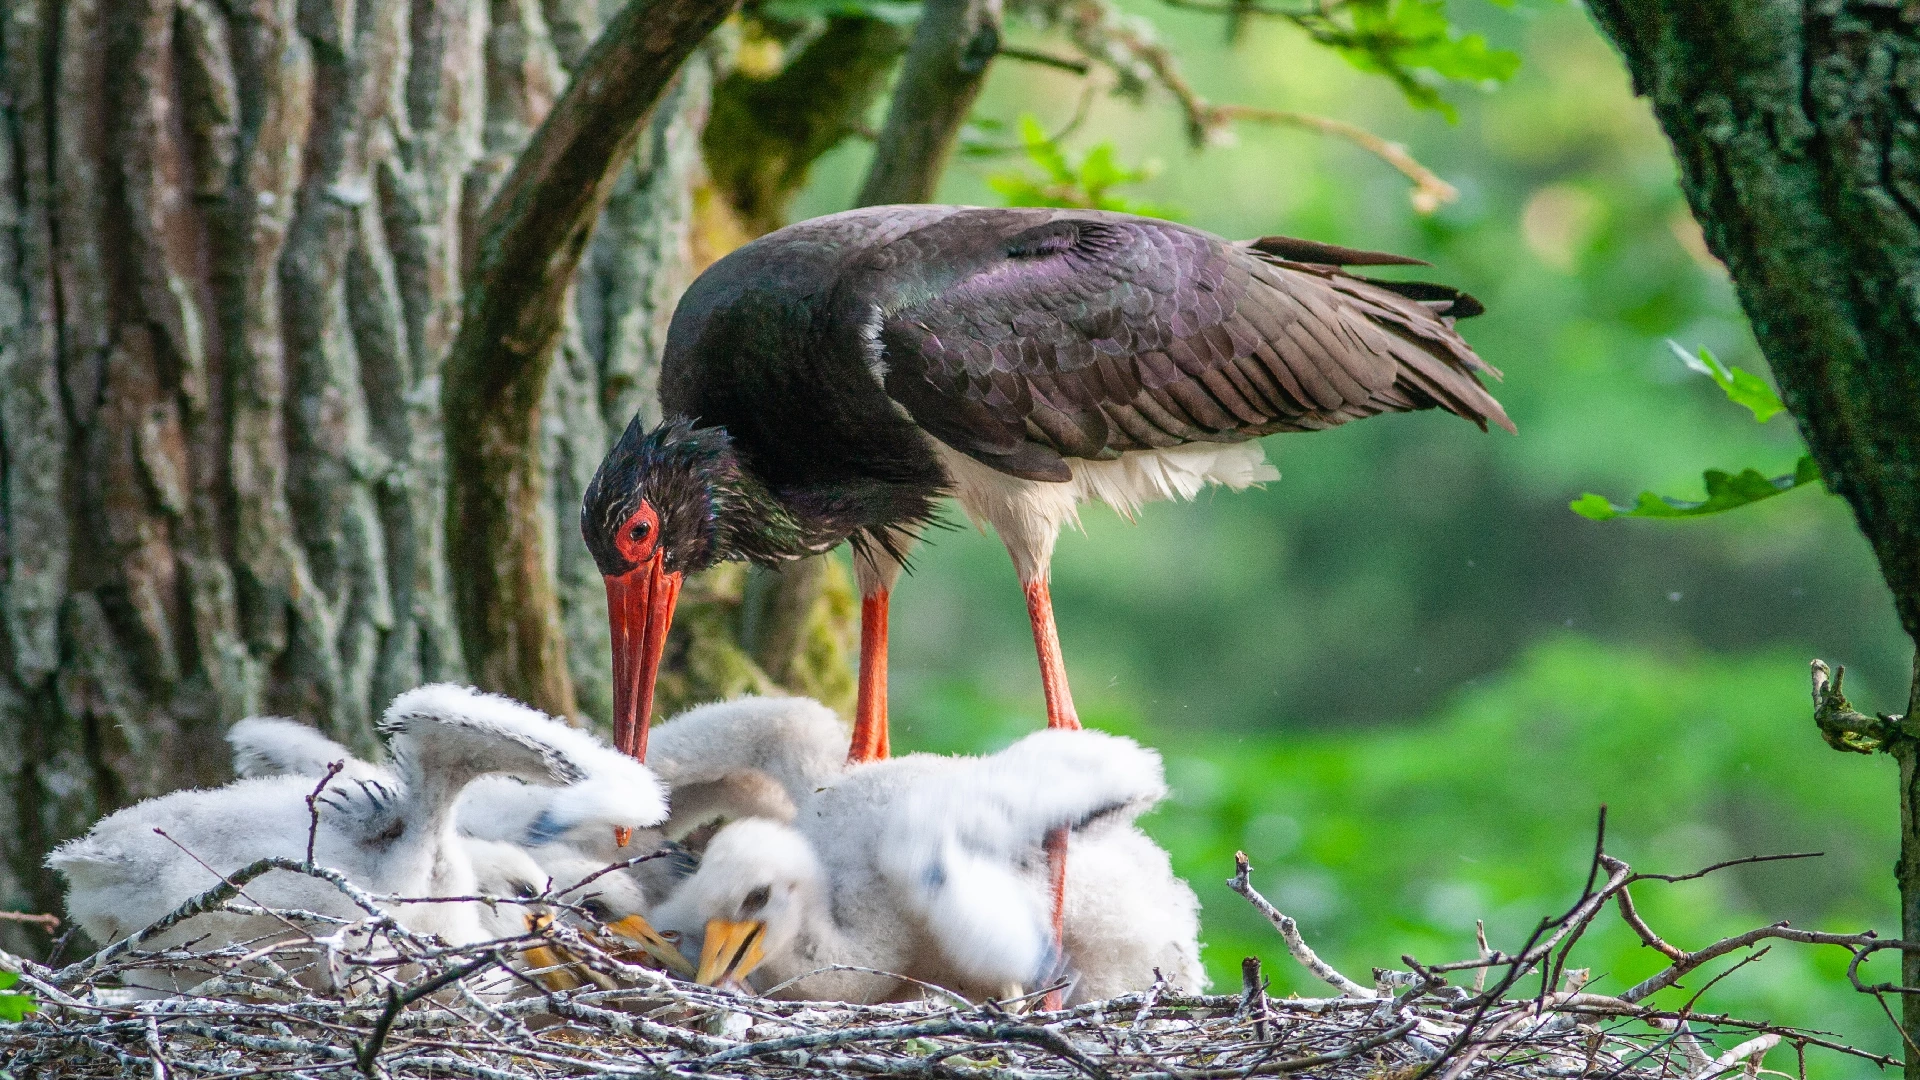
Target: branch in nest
point(1242, 883)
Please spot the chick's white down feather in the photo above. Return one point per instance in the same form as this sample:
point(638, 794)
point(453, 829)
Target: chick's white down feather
point(391, 835)
point(797, 741)
point(496, 817)
point(932, 867)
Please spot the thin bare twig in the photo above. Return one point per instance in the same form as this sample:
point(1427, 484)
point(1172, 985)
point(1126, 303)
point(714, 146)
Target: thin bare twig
point(1242, 883)
point(313, 805)
point(49, 923)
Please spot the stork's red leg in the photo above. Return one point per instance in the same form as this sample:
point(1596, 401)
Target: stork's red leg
point(1053, 669)
point(1060, 714)
point(870, 710)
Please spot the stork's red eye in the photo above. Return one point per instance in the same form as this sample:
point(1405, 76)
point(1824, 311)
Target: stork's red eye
point(639, 534)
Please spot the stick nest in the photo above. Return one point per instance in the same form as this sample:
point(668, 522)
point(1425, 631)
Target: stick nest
point(402, 1005)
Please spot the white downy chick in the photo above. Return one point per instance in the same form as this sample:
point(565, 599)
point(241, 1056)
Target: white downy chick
point(391, 836)
point(922, 866)
point(513, 855)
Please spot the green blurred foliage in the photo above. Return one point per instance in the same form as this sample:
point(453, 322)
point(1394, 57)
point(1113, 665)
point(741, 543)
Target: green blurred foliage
point(1413, 43)
point(1725, 490)
point(14, 1007)
point(1405, 677)
point(1087, 183)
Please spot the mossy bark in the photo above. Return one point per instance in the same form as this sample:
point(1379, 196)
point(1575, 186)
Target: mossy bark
point(233, 244)
point(1797, 129)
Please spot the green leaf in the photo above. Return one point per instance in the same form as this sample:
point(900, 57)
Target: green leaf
point(14, 1007)
point(1741, 387)
point(1413, 43)
point(1086, 183)
point(1043, 151)
point(1725, 491)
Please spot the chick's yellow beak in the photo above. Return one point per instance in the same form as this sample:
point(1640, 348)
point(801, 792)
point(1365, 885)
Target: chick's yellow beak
point(732, 950)
point(637, 930)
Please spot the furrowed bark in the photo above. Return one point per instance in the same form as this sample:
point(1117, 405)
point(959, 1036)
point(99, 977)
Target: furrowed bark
point(532, 238)
point(1798, 139)
point(946, 65)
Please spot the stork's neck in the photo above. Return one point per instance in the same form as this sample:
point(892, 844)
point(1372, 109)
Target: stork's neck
point(759, 526)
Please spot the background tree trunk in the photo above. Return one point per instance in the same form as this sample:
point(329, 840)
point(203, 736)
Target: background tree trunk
point(1797, 131)
point(234, 244)
point(234, 240)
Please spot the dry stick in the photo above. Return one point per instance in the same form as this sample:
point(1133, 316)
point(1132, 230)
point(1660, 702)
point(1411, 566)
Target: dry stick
point(1254, 996)
point(941, 990)
point(49, 923)
point(159, 1053)
point(1204, 118)
point(1034, 1035)
point(1754, 1048)
point(211, 900)
point(288, 923)
point(1430, 192)
point(1241, 882)
point(396, 1002)
point(313, 805)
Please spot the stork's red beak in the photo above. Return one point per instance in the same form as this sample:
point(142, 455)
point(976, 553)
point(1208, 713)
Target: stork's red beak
point(640, 609)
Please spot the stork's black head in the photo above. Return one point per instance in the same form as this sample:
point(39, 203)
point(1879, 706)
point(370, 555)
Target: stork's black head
point(663, 491)
point(651, 515)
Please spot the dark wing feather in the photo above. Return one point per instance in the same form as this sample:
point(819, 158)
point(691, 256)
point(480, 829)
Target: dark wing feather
point(1024, 337)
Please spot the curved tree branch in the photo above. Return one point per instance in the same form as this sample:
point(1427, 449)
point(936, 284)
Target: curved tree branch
point(531, 240)
point(953, 45)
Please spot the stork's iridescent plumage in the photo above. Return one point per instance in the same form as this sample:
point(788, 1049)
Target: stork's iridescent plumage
point(833, 380)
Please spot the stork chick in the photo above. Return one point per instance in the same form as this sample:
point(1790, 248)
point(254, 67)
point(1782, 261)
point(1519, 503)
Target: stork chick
point(953, 891)
point(393, 836)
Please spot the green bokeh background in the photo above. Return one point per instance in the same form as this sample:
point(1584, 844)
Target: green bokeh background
point(1404, 678)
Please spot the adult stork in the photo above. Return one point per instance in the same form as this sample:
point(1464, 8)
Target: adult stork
point(833, 380)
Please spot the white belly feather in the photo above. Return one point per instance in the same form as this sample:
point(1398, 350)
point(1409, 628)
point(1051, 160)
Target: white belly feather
point(1028, 514)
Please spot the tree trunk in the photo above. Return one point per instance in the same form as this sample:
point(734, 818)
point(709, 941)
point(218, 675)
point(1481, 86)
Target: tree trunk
point(946, 65)
point(234, 240)
point(1798, 136)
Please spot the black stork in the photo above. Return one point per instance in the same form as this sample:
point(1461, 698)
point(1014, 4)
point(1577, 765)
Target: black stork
point(833, 380)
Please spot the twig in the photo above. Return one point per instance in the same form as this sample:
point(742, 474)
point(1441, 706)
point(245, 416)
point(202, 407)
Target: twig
point(396, 1002)
point(1045, 59)
point(313, 805)
point(1429, 193)
point(49, 923)
point(1754, 1048)
point(1254, 996)
point(1242, 883)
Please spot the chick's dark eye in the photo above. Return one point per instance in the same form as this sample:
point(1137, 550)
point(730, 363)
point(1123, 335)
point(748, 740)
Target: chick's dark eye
point(756, 900)
point(598, 909)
